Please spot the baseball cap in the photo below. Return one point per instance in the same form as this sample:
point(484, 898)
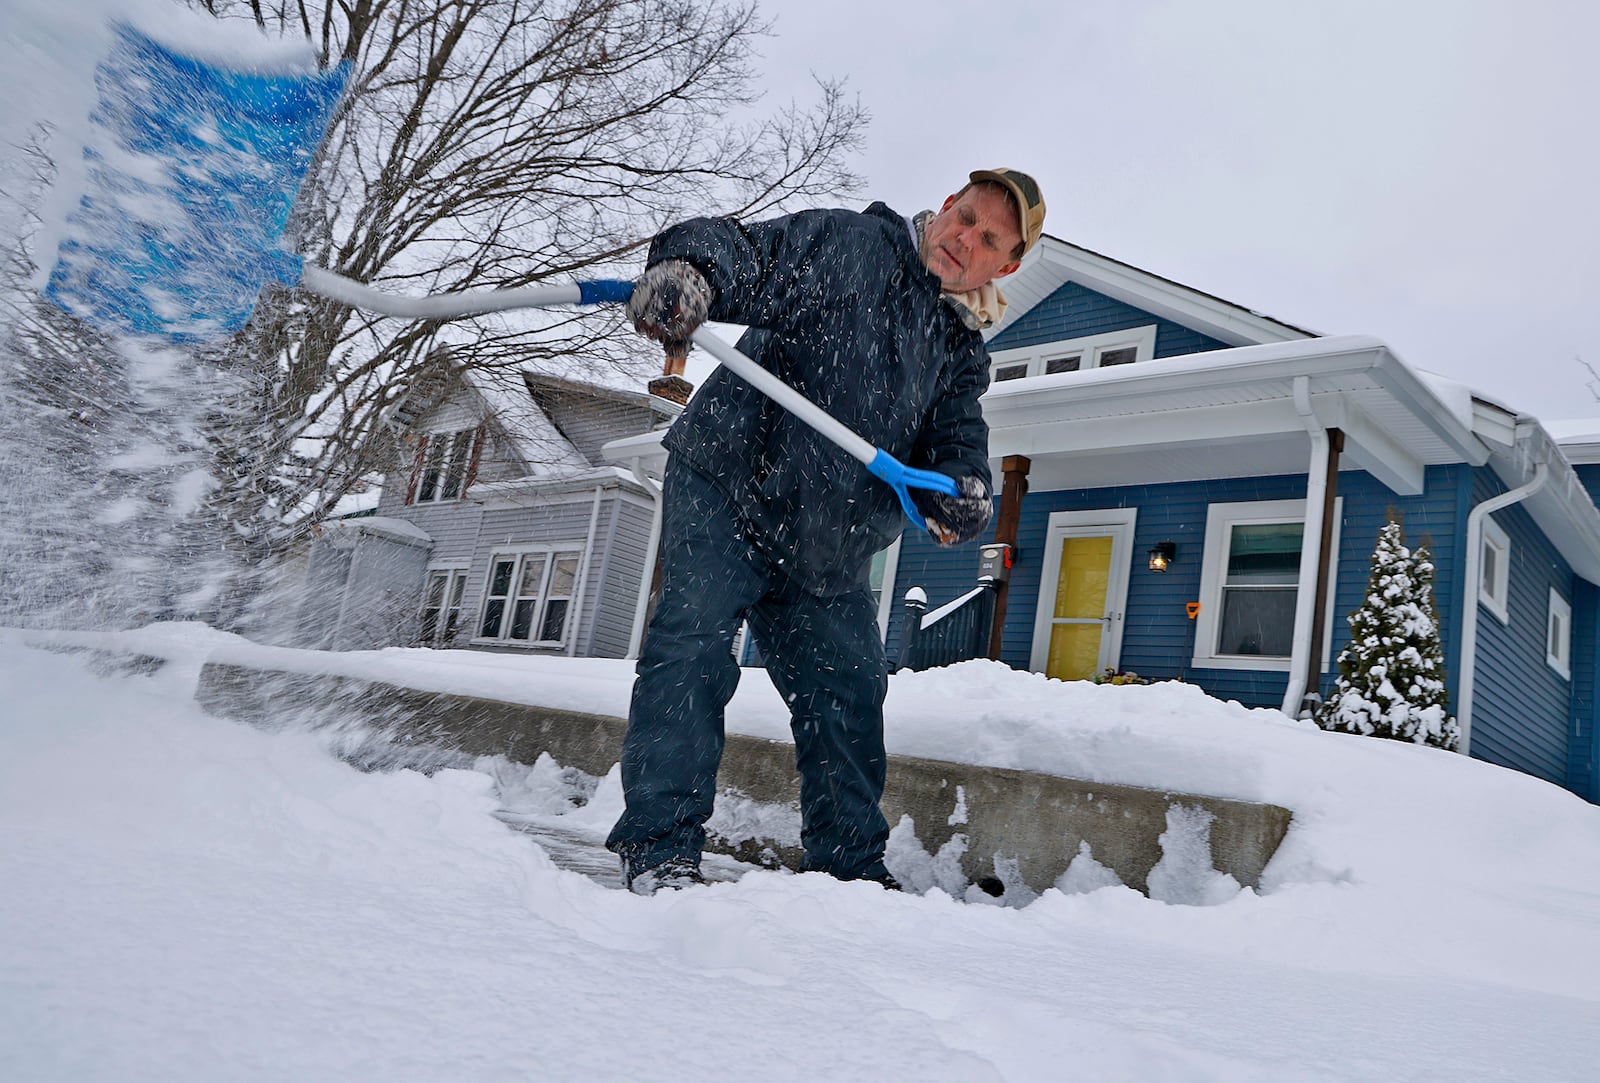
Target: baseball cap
point(1030, 204)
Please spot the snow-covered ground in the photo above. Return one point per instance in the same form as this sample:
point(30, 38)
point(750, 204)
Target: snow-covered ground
point(190, 898)
point(184, 897)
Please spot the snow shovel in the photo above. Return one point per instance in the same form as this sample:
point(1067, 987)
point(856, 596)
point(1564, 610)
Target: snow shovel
point(190, 180)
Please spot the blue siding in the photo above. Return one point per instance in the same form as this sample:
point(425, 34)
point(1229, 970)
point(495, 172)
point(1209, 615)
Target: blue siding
point(1583, 752)
point(1526, 716)
point(1435, 518)
point(1074, 311)
point(1521, 707)
point(1589, 475)
point(1157, 634)
point(945, 574)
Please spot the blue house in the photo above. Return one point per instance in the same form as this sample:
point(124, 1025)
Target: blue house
point(1193, 490)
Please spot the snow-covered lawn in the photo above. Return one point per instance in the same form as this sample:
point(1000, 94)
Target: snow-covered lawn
point(189, 898)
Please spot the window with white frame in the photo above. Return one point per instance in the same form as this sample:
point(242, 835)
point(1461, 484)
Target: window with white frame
point(529, 596)
point(444, 460)
point(1558, 635)
point(1249, 584)
point(1494, 569)
point(441, 606)
point(1073, 355)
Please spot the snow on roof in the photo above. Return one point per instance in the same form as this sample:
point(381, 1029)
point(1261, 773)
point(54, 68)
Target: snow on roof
point(1455, 396)
point(381, 525)
point(1577, 430)
point(537, 440)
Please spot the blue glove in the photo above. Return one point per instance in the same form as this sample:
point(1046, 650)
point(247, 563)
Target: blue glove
point(954, 520)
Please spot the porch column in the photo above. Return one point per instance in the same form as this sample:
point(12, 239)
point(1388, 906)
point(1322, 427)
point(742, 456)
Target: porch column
point(1014, 488)
point(1319, 609)
point(1309, 608)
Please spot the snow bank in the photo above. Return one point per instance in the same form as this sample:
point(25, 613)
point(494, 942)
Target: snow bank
point(191, 898)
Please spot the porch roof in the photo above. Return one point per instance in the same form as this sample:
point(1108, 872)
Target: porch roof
point(1230, 413)
point(1247, 411)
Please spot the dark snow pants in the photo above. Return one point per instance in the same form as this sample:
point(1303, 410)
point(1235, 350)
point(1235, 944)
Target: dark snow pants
point(824, 657)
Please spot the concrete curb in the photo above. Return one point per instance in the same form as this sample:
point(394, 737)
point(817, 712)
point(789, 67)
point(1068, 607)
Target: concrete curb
point(1033, 820)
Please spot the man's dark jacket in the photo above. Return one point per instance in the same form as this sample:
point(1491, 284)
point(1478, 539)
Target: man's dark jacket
point(841, 308)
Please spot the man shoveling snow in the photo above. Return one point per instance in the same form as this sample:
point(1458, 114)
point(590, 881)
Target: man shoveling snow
point(874, 317)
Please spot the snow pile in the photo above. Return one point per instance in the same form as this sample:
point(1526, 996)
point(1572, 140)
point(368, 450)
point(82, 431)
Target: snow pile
point(189, 898)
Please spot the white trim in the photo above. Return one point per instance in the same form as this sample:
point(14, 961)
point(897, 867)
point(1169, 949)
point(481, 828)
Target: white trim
point(454, 572)
point(573, 546)
point(1119, 524)
point(929, 619)
point(585, 559)
point(515, 553)
point(1220, 519)
point(1090, 348)
point(1498, 542)
point(886, 598)
point(1560, 659)
point(1054, 262)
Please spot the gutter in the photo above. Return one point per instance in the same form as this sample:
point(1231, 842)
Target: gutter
point(583, 574)
point(647, 574)
point(1474, 583)
point(1311, 555)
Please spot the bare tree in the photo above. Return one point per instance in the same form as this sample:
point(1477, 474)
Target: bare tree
point(489, 144)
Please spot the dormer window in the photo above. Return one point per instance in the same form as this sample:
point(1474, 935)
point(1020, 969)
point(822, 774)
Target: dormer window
point(445, 464)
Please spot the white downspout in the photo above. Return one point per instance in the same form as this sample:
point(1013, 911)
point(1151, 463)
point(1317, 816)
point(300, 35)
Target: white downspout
point(643, 606)
point(583, 574)
point(1474, 584)
point(1305, 598)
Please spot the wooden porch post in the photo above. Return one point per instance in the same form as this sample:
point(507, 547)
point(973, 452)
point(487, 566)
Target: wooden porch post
point(1319, 608)
point(1013, 490)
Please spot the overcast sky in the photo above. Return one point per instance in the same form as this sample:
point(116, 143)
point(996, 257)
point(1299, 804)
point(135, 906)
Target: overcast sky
point(1419, 170)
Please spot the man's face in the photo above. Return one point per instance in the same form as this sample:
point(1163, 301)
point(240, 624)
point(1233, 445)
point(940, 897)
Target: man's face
point(971, 239)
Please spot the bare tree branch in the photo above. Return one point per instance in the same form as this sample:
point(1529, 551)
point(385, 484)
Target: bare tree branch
point(496, 144)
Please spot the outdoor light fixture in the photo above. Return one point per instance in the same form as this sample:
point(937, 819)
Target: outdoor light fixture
point(1162, 555)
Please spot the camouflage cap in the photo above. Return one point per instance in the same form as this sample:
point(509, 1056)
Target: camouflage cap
point(1030, 204)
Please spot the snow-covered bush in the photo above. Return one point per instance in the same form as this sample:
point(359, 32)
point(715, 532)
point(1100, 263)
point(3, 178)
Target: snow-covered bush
point(1391, 674)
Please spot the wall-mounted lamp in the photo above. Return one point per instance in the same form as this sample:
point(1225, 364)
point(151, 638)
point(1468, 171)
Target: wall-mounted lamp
point(1162, 556)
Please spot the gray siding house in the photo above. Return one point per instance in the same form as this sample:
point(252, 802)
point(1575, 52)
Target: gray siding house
point(499, 527)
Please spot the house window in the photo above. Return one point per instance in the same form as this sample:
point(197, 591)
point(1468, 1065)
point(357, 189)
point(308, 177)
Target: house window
point(529, 597)
point(444, 463)
point(1249, 585)
point(1258, 589)
point(1494, 570)
point(1558, 637)
point(1073, 355)
point(441, 606)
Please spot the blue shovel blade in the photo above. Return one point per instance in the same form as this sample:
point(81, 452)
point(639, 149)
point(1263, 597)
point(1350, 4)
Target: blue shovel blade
point(189, 178)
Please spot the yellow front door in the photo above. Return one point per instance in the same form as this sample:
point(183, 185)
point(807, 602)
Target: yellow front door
point(1078, 624)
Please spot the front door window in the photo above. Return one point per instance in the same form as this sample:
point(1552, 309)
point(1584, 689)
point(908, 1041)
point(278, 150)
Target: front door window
point(1078, 625)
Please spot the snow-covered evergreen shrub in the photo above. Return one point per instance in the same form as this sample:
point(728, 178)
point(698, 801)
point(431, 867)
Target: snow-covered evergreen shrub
point(1391, 674)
